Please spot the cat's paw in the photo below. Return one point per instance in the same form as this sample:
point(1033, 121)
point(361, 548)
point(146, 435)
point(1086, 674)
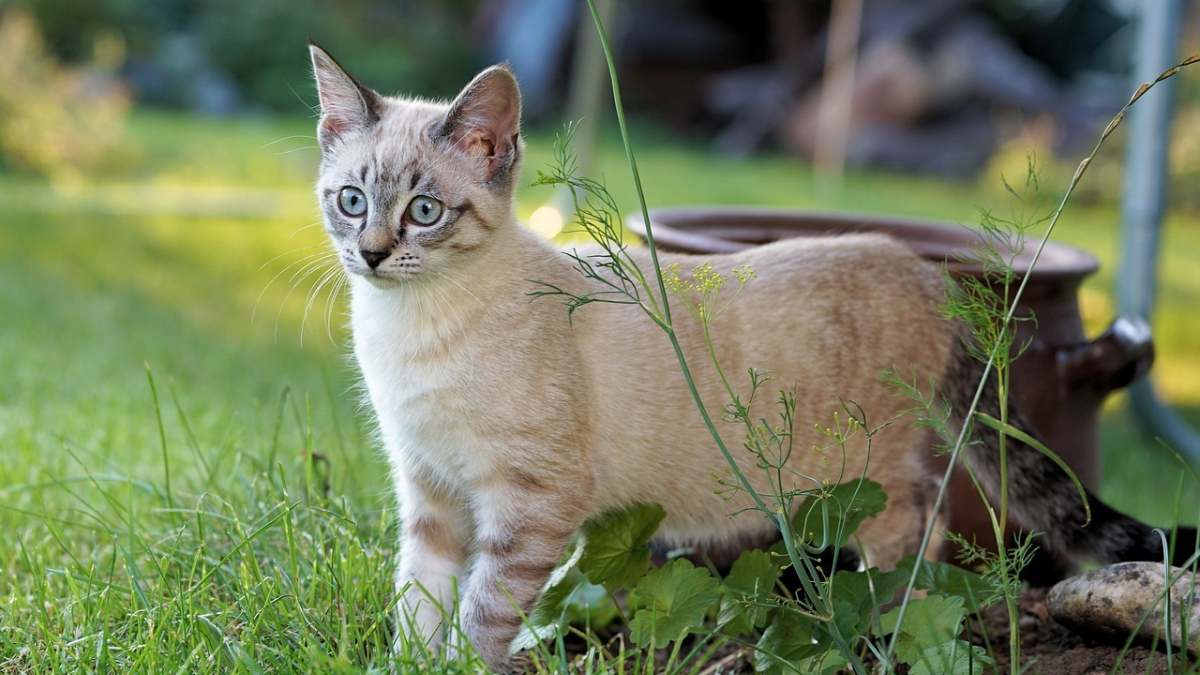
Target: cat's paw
point(493, 653)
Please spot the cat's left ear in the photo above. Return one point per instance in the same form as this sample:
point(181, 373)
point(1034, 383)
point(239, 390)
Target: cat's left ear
point(346, 105)
point(485, 121)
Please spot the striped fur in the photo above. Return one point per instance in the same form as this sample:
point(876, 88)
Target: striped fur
point(1042, 496)
point(506, 426)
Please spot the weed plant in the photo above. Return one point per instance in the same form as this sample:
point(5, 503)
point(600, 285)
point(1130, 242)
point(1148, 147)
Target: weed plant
point(622, 281)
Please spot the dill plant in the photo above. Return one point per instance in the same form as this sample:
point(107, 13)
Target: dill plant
point(982, 303)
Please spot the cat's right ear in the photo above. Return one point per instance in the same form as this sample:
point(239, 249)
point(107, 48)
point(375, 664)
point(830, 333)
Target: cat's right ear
point(484, 122)
point(346, 105)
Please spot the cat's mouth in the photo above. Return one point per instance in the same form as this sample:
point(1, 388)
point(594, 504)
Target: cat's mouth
point(389, 279)
point(389, 274)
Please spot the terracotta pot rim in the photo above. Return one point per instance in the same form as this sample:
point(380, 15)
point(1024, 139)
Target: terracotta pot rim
point(727, 229)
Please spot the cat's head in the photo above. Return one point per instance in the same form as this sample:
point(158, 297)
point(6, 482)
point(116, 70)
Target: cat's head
point(412, 188)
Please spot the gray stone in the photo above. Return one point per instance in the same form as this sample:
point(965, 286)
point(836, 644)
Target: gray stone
point(1109, 603)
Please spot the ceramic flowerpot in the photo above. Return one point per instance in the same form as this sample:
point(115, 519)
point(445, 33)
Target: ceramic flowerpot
point(1060, 380)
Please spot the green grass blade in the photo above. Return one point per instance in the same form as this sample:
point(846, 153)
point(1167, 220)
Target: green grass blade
point(1013, 432)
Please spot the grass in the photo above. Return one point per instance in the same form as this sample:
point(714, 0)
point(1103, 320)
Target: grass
point(271, 550)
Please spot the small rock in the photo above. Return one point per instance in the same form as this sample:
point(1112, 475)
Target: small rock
point(1108, 603)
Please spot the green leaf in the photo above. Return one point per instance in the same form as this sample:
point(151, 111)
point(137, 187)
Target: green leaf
point(956, 657)
point(858, 595)
point(553, 603)
point(672, 600)
point(848, 621)
point(572, 601)
point(977, 591)
point(748, 592)
point(795, 645)
point(838, 512)
point(615, 554)
point(870, 588)
point(928, 622)
point(568, 598)
point(788, 639)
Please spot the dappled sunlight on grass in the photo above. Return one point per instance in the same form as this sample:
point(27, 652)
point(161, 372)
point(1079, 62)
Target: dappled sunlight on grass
point(239, 278)
point(158, 197)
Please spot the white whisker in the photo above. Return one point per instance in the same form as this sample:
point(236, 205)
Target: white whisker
point(319, 223)
point(422, 317)
point(300, 275)
point(326, 277)
point(295, 250)
point(447, 277)
point(283, 271)
point(303, 147)
point(458, 325)
point(288, 138)
point(338, 292)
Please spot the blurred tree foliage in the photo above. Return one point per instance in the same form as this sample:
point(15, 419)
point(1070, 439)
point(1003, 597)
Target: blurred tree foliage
point(420, 46)
point(56, 121)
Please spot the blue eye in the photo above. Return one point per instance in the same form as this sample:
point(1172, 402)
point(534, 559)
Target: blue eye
point(352, 201)
point(424, 210)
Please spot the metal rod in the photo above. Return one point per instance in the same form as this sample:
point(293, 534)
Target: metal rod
point(1144, 203)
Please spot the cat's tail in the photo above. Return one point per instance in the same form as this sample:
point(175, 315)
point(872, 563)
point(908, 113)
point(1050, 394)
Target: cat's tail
point(1041, 495)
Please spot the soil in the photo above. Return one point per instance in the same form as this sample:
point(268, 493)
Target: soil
point(1047, 648)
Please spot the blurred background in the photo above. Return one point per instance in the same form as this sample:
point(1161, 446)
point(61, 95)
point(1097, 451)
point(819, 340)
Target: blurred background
point(157, 157)
point(935, 87)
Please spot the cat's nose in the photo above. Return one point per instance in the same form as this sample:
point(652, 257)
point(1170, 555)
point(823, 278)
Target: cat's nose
point(373, 258)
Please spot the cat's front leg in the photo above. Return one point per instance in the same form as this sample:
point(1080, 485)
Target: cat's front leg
point(432, 552)
point(523, 529)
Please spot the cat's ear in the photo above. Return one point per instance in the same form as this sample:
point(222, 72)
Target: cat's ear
point(485, 121)
point(346, 105)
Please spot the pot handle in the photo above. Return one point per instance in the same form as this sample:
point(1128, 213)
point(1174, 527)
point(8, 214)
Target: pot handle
point(1122, 355)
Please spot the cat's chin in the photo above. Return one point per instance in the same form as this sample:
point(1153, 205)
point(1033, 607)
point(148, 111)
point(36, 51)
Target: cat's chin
point(385, 282)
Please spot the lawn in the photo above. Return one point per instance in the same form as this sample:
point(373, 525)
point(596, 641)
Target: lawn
point(190, 482)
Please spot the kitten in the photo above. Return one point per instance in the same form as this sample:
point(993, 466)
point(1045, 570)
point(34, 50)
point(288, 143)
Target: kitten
point(507, 427)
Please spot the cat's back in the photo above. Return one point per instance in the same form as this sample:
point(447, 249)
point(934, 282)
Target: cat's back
point(837, 263)
point(857, 303)
point(863, 296)
point(823, 277)
point(871, 275)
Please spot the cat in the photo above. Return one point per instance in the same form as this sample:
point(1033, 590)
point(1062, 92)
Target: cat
point(507, 426)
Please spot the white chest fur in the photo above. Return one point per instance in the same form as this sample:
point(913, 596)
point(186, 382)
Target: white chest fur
point(418, 353)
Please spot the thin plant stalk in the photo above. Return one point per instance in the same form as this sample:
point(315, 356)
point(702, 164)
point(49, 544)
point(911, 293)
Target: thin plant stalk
point(666, 308)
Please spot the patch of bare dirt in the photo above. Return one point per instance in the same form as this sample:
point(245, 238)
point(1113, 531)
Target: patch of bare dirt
point(1048, 647)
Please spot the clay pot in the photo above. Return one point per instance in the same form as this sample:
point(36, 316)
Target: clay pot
point(1059, 382)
